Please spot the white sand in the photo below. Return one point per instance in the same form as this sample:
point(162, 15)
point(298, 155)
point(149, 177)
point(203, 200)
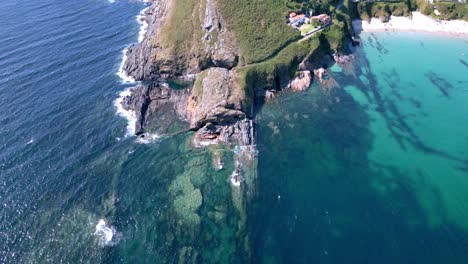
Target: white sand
point(418, 22)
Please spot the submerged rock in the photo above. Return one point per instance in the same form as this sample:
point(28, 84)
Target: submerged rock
point(327, 82)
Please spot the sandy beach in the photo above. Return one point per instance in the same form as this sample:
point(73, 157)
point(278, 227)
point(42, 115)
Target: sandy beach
point(418, 22)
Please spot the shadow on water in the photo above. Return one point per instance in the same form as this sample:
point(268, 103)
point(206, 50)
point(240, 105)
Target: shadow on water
point(464, 63)
point(396, 122)
point(443, 85)
point(322, 201)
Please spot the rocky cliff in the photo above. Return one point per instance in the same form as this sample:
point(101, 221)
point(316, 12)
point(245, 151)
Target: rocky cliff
point(212, 103)
point(180, 42)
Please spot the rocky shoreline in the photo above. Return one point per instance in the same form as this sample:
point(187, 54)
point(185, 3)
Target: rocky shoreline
point(210, 105)
point(206, 90)
point(202, 91)
point(197, 92)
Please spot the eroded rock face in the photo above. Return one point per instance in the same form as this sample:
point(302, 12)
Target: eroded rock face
point(220, 48)
point(140, 62)
point(212, 100)
point(302, 81)
point(156, 106)
point(156, 58)
point(213, 107)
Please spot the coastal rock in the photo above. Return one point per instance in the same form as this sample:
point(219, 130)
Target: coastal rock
point(214, 100)
point(140, 60)
point(326, 81)
point(219, 44)
point(160, 103)
point(214, 107)
point(302, 81)
point(161, 56)
point(345, 62)
point(239, 133)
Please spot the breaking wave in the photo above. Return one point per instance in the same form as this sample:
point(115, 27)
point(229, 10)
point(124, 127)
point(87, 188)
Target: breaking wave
point(106, 234)
point(127, 114)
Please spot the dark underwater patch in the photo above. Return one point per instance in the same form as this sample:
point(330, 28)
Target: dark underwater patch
point(416, 103)
point(442, 84)
point(464, 63)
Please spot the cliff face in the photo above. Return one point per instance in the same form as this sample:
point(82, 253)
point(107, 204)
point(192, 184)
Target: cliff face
point(184, 37)
point(192, 76)
point(200, 56)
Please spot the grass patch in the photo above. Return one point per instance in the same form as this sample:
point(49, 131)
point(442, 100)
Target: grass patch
point(273, 73)
point(260, 26)
point(335, 35)
point(306, 28)
point(181, 34)
point(198, 85)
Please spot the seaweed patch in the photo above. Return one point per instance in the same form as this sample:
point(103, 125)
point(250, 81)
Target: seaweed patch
point(464, 63)
point(443, 85)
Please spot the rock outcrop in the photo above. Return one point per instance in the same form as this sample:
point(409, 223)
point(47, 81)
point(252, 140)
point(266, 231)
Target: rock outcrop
point(170, 51)
point(142, 57)
point(214, 105)
point(157, 103)
point(302, 81)
point(219, 47)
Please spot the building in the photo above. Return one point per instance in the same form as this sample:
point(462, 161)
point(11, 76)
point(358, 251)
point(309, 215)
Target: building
point(297, 19)
point(323, 18)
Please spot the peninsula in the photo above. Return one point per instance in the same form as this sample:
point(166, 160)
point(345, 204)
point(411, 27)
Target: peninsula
point(210, 64)
point(206, 67)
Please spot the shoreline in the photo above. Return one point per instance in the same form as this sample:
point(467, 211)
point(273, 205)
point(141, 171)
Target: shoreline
point(129, 115)
point(418, 22)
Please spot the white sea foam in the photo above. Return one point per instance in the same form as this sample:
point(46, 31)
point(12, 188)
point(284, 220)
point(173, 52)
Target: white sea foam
point(127, 114)
point(104, 233)
point(121, 73)
point(236, 179)
point(143, 24)
point(127, 79)
point(147, 138)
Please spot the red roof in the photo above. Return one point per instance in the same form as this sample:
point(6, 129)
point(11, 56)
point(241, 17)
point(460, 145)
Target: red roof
point(298, 16)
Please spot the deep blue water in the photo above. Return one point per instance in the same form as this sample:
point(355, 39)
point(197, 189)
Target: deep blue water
point(73, 187)
point(58, 62)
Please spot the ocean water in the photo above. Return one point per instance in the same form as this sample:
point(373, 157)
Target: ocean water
point(75, 185)
point(375, 171)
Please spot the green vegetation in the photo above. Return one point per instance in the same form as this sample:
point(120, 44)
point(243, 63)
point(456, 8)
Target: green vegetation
point(382, 10)
point(198, 85)
point(335, 35)
point(180, 35)
point(260, 26)
point(423, 6)
point(450, 10)
point(318, 6)
point(274, 72)
point(306, 28)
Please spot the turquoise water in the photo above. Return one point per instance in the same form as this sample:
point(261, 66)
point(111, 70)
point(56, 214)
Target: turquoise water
point(373, 172)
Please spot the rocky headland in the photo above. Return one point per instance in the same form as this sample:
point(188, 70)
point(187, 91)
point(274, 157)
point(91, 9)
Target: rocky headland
point(205, 68)
point(192, 82)
point(192, 71)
